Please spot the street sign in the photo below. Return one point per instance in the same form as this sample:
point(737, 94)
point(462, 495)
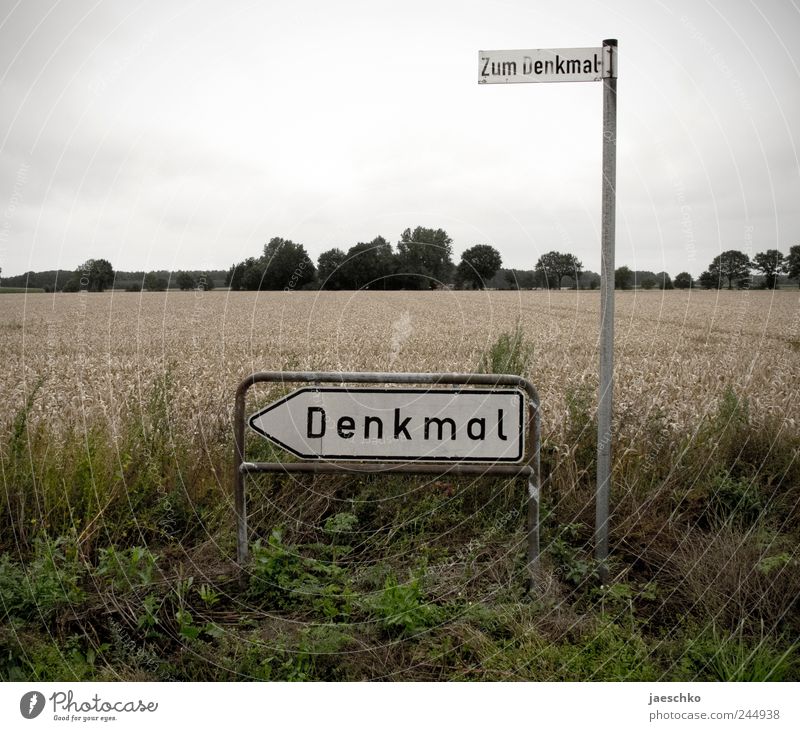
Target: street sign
point(391, 424)
point(458, 424)
point(543, 65)
point(583, 64)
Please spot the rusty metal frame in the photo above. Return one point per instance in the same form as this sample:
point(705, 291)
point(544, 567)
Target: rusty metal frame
point(530, 469)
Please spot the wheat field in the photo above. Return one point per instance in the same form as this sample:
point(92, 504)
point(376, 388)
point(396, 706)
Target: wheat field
point(97, 354)
point(117, 444)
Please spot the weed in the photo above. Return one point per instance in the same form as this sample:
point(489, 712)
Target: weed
point(283, 579)
point(581, 430)
point(610, 653)
point(401, 609)
point(618, 601)
point(50, 583)
point(72, 659)
point(735, 657)
point(511, 353)
point(572, 563)
point(127, 568)
point(338, 526)
point(735, 500)
point(208, 595)
point(773, 564)
point(150, 607)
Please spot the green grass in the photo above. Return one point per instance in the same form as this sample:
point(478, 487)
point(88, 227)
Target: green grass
point(116, 559)
point(21, 290)
point(510, 353)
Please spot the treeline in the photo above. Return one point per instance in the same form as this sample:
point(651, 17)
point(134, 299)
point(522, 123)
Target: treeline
point(422, 259)
point(98, 275)
point(731, 269)
point(159, 281)
point(734, 268)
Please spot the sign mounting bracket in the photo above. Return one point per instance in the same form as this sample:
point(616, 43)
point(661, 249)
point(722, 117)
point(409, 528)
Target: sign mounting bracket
point(529, 469)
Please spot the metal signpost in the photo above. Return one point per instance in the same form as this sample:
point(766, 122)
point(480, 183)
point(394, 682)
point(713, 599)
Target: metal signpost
point(582, 64)
point(489, 425)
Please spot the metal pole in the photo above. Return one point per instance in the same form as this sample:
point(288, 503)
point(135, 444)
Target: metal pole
point(239, 497)
point(604, 408)
point(534, 495)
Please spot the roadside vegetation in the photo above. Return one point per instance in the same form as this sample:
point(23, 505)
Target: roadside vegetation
point(116, 557)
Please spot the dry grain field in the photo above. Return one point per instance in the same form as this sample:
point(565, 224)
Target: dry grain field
point(675, 351)
point(116, 517)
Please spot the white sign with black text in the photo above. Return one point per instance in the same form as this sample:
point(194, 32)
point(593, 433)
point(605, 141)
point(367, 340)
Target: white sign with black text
point(390, 424)
point(542, 65)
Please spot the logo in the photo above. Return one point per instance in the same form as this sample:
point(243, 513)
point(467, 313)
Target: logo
point(32, 704)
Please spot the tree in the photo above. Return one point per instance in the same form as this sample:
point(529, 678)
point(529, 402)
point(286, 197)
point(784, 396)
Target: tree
point(708, 280)
point(205, 282)
point(770, 263)
point(793, 263)
point(664, 281)
point(286, 265)
point(154, 283)
point(683, 280)
point(424, 257)
point(245, 275)
point(233, 278)
point(185, 281)
point(94, 275)
point(518, 279)
point(589, 280)
point(329, 269)
point(282, 265)
point(623, 277)
point(478, 264)
point(732, 265)
point(368, 265)
point(252, 274)
point(648, 283)
point(554, 266)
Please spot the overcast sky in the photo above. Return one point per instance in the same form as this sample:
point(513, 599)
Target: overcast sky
point(169, 135)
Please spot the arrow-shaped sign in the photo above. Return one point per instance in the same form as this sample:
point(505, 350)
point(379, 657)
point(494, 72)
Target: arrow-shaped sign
point(398, 424)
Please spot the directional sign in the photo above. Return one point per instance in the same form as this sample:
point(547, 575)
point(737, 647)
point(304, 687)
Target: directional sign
point(583, 64)
point(543, 64)
point(391, 424)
